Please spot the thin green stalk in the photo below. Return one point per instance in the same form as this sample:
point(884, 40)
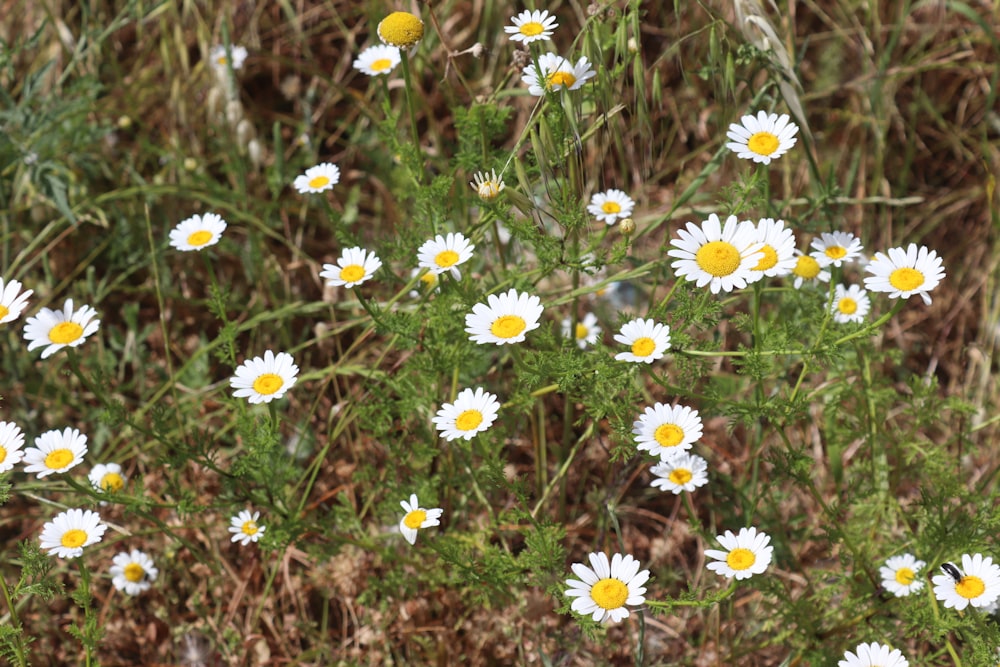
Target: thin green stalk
point(15, 622)
point(408, 88)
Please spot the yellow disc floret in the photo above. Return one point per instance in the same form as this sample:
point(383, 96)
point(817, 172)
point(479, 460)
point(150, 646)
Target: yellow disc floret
point(401, 29)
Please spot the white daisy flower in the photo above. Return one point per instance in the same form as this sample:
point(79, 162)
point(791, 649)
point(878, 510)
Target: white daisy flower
point(610, 206)
point(778, 248)
point(220, 60)
point(133, 572)
point(261, 380)
point(445, 253)
point(807, 268)
point(472, 412)
point(648, 341)
point(745, 554)
point(12, 300)
point(874, 655)
point(531, 26)
point(556, 73)
point(977, 583)
point(833, 249)
point(197, 232)
point(721, 257)
point(903, 273)
point(353, 267)
point(428, 282)
point(587, 331)
point(683, 472)
point(850, 304)
point(487, 184)
point(605, 588)
point(11, 442)
point(69, 532)
point(376, 60)
point(245, 528)
point(320, 178)
point(667, 431)
point(107, 478)
point(899, 575)
point(417, 517)
point(55, 451)
point(503, 319)
point(60, 328)
point(762, 138)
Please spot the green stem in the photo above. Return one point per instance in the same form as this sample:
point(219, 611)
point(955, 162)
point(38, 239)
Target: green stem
point(15, 622)
point(408, 88)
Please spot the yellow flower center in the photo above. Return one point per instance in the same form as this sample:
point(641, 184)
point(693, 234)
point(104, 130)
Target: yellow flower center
point(446, 258)
point(488, 190)
point(317, 182)
point(611, 207)
point(806, 267)
point(249, 528)
point(508, 326)
point(970, 587)
point(268, 383)
point(581, 331)
point(4, 311)
point(73, 538)
point(415, 519)
point(58, 459)
point(643, 347)
point(468, 420)
point(740, 559)
point(65, 333)
point(668, 435)
point(200, 237)
point(769, 259)
point(680, 476)
point(609, 593)
point(905, 576)
point(565, 79)
point(221, 61)
point(835, 252)
point(381, 65)
point(906, 279)
point(112, 482)
point(429, 279)
point(352, 273)
point(847, 305)
point(3, 453)
point(401, 29)
point(134, 573)
point(531, 29)
point(718, 258)
point(763, 143)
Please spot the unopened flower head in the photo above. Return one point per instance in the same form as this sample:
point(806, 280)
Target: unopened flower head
point(473, 411)
point(745, 555)
point(763, 137)
point(197, 232)
point(220, 59)
point(416, 517)
point(899, 575)
point(683, 472)
point(245, 528)
point(504, 318)
point(778, 248)
point(605, 588)
point(833, 249)
point(610, 206)
point(667, 431)
point(376, 60)
point(808, 269)
point(648, 341)
point(904, 272)
point(556, 73)
point(977, 583)
point(850, 304)
point(55, 452)
point(445, 253)
point(722, 257)
point(873, 655)
point(11, 442)
point(401, 29)
point(487, 184)
point(261, 380)
point(107, 478)
point(69, 532)
point(57, 329)
point(587, 331)
point(353, 267)
point(12, 300)
point(133, 572)
point(531, 26)
point(320, 178)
